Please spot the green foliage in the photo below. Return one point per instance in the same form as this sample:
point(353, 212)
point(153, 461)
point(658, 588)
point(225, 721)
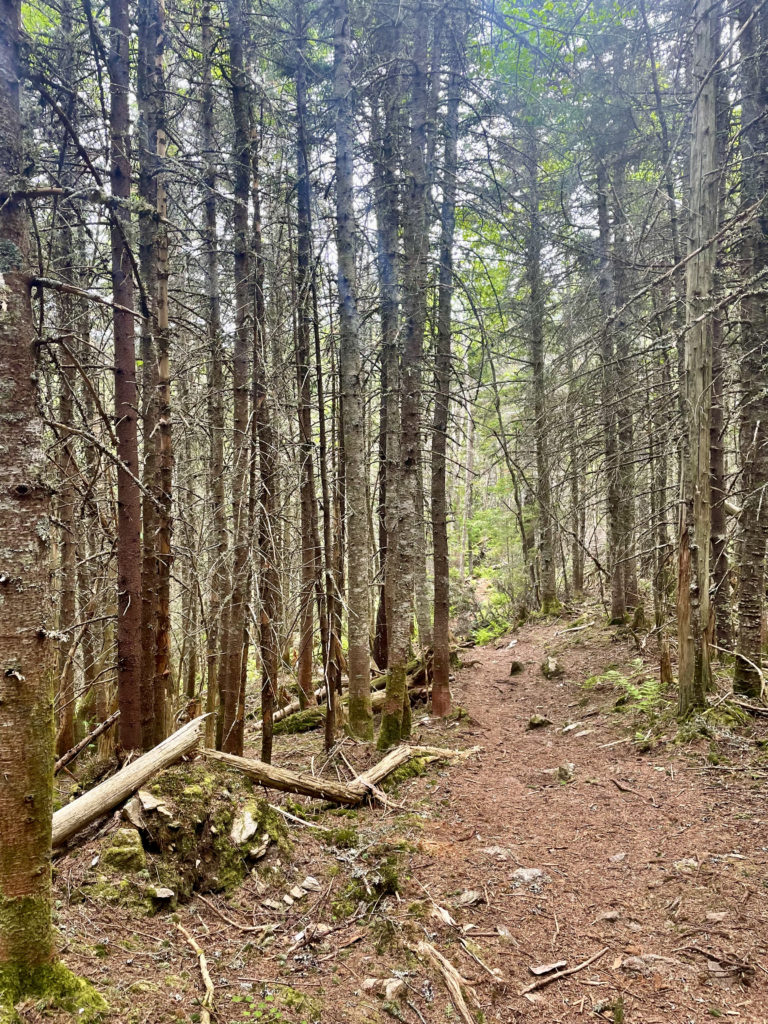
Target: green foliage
point(640, 693)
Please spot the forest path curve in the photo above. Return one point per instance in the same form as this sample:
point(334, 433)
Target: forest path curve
point(648, 854)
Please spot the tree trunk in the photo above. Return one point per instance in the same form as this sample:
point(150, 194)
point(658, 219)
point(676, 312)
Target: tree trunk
point(232, 710)
point(129, 557)
point(26, 691)
point(693, 624)
point(536, 300)
point(441, 664)
point(350, 366)
point(753, 426)
point(406, 516)
point(215, 386)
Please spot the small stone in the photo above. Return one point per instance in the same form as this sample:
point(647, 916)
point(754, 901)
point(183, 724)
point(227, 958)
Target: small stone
point(310, 884)
point(297, 893)
point(244, 827)
point(499, 852)
point(125, 852)
point(566, 772)
point(571, 726)
point(617, 858)
point(148, 801)
point(687, 864)
point(538, 722)
point(273, 904)
point(470, 897)
point(132, 813)
point(257, 852)
point(525, 876)
point(551, 668)
point(288, 900)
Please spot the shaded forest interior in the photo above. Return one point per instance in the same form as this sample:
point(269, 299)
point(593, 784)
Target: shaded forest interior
point(339, 337)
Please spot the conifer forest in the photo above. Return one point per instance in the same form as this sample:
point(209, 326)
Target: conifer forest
point(383, 511)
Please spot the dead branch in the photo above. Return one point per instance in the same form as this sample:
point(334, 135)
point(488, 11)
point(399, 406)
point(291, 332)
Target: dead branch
point(86, 741)
point(541, 982)
point(352, 794)
point(207, 1002)
point(453, 980)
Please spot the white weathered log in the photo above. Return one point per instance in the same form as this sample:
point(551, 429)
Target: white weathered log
point(102, 798)
point(352, 793)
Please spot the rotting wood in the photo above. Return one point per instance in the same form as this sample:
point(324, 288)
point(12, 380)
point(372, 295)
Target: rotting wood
point(70, 819)
point(86, 741)
point(206, 1004)
point(541, 982)
point(352, 793)
point(453, 980)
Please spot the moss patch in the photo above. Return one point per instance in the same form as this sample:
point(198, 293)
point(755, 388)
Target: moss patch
point(52, 985)
point(301, 721)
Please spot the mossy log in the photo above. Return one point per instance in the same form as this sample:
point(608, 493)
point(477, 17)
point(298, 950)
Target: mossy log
point(416, 673)
point(351, 794)
point(68, 821)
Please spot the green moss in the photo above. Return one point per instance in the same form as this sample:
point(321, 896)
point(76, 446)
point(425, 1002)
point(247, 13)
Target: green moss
point(343, 838)
point(52, 985)
point(301, 721)
point(126, 852)
point(410, 770)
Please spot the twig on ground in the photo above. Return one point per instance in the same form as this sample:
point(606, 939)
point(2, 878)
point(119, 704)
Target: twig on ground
point(297, 819)
point(547, 979)
point(627, 789)
point(453, 980)
point(234, 924)
point(206, 1004)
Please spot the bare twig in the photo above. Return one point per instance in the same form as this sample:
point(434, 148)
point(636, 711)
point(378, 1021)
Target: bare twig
point(206, 1004)
point(541, 982)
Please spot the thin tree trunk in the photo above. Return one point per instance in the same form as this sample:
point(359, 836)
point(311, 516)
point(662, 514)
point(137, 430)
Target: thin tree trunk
point(215, 385)
point(232, 711)
point(753, 426)
point(441, 664)
point(129, 595)
point(350, 365)
point(693, 624)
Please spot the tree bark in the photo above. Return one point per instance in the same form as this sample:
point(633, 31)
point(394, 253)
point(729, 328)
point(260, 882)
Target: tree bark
point(693, 607)
point(26, 685)
point(129, 555)
point(350, 365)
point(441, 664)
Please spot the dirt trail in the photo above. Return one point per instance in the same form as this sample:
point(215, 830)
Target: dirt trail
point(657, 857)
point(636, 851)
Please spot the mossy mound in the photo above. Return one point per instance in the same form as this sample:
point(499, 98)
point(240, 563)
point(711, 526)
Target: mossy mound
point(200, 829)
point(48, 985)
point(189, 834)
point(301, 721)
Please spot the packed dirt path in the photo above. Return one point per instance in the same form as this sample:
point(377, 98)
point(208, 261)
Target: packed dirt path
point(570, 842)
point(655, 857)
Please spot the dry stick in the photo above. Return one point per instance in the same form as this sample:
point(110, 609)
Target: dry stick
point(541, 982)
point(70, 755)
point(575, 629)
point(298, 820)
point(627, 789)
point(453, 980)
point(207, 1003)
point(234, 924)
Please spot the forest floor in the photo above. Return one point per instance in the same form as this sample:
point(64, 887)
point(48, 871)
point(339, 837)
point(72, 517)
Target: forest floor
point(649, 855)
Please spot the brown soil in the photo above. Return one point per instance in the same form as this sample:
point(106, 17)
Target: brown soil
point(659, 858)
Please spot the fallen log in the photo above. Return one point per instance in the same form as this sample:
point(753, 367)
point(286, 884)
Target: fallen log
point(86, 741)
point(102, 798)
point(349, 793)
